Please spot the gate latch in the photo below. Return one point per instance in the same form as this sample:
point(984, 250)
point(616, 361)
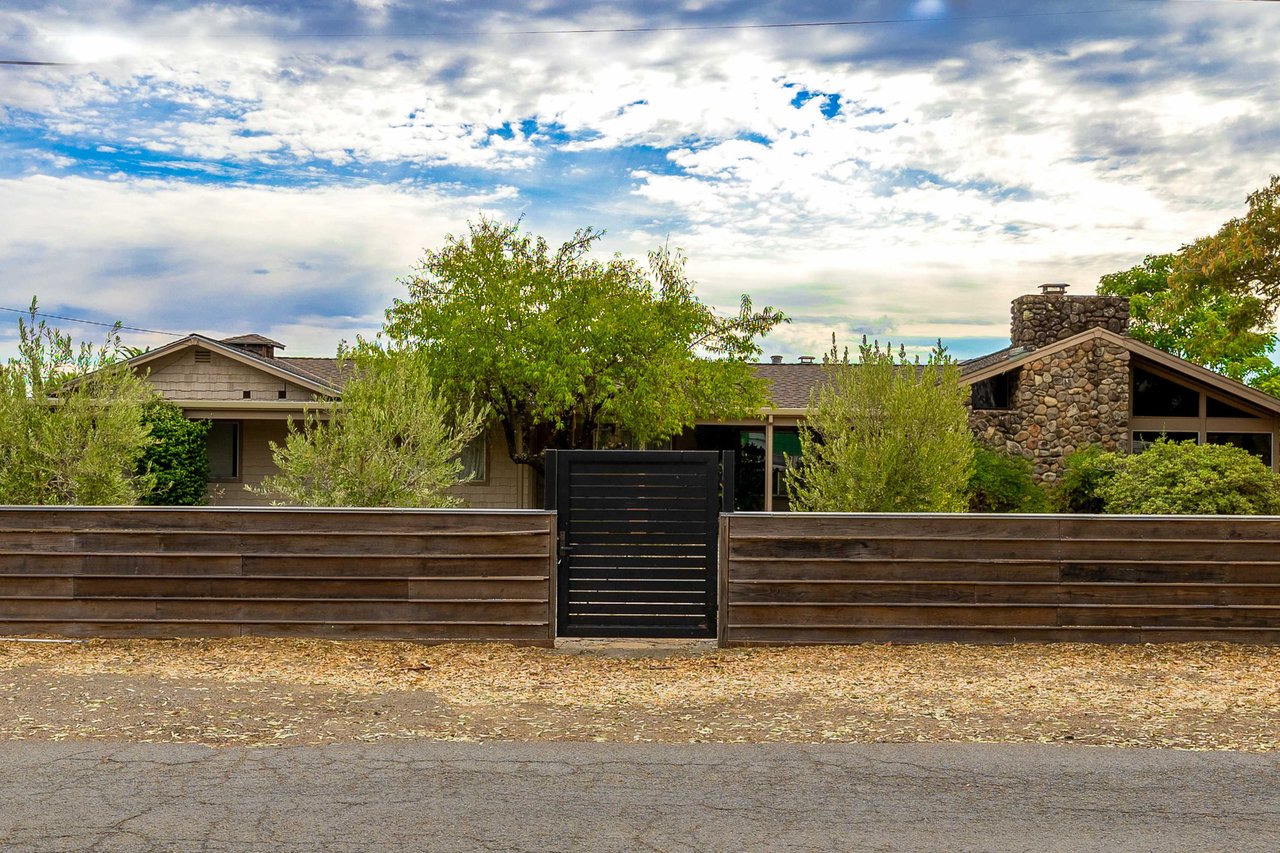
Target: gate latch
point(562, 543)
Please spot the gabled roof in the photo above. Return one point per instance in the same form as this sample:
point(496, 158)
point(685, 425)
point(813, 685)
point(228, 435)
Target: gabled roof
point(321, 381)
point(994, 367)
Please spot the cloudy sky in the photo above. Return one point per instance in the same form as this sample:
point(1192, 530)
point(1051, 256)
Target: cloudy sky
point(906, 168)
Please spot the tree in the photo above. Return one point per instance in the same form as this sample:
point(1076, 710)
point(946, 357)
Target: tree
point(1214, 301)
point(557, 345)
point(71, 421)
point(885, 435)
point(1003, 482)
point(1183, 478)
point(392, 440)
point(177, 458)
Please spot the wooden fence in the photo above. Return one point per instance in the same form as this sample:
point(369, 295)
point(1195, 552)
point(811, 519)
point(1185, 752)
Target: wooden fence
point(438, 575)
point(818, 578)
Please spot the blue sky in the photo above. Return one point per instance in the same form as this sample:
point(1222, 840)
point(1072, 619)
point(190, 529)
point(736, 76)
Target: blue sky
point(275, 167)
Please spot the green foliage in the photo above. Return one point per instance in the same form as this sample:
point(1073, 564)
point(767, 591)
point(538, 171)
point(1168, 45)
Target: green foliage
point(1002, 482)
point(557, 345)
point(1183, 478)
point(885, 435)
point(1214, 301)
point(71, 425)
point(391, 441)
point(1084, 474)
point(178, 458)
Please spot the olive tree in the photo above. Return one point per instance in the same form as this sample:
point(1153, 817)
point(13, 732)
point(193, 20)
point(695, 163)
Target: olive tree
point(72, 428)
point(392, 440)
point(885, 435)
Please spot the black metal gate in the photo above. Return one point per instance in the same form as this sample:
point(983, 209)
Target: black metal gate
point(637, 540)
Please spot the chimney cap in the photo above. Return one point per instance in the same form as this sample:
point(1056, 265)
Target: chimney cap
point(1054, 288)
point(807, 359)
point(775, 359)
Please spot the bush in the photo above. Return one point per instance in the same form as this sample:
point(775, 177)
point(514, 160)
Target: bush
point(71, 427)
point(1183, 478)
point(178, 460)
point(885, 435)
point(1002, 482)
point(391, 441)
point(1084, 474)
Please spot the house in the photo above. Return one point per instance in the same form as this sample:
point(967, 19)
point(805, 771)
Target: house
point(1070, 377)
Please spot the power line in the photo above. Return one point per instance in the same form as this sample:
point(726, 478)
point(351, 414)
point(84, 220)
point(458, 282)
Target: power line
point(32, 62)
point(851, 22)
point(89, 322)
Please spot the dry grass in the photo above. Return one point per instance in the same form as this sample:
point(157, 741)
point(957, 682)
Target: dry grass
point(257, 691)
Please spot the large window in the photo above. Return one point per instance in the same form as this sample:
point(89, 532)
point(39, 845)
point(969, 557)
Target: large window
point(1257, 443)
point(1142, 439)
point(1157, 397)
point(223, 445)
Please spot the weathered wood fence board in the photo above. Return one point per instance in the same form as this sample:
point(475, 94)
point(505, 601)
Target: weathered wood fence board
point(827, 578)
point(436, 575)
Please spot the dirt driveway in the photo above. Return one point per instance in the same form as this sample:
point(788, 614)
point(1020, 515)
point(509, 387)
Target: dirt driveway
point(260, 692)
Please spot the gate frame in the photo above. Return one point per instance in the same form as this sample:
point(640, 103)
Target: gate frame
point(555, 491)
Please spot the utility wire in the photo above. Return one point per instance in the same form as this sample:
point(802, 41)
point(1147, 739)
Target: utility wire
point(89, 322)
point(32, 62)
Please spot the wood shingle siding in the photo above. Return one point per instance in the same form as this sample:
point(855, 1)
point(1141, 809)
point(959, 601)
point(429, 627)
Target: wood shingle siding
point(440, 575)
point(828, 578)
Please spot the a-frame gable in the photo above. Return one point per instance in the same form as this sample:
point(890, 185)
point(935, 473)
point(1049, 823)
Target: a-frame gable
point(227, 374)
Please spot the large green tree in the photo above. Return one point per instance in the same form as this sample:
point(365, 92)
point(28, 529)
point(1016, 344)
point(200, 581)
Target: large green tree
point(72, 428)
point(558, 345)
point(1214, 301)
point(885, 435)
point(392, 440)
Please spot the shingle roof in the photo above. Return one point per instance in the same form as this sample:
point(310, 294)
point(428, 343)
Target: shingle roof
point(791, 384)
point(973, 364)
point(326, 370)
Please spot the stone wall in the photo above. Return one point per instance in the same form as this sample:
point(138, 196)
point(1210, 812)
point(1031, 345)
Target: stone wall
point(1043, 319)
point(1065, 400)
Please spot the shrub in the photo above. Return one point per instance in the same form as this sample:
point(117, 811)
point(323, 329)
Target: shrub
point(71, 427)
point(1084, 474)
point(1002, 482)
point(885, 435)
point(391, 441)
point(1183, 478)
point(177, 459)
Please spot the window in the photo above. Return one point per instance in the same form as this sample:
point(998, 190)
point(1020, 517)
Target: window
point(223, 445)
point(998, 392)
point(1257, 443)
point(475, 458)
point(1218, 409)
point(1142, 439)
point(786, 453)
point(1157, 397)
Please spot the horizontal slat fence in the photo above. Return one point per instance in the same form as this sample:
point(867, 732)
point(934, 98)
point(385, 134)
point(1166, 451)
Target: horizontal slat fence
point(828, 578)
point(434, 575)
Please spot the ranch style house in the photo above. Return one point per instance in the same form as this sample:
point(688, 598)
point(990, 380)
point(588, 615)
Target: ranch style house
point(1070, 377)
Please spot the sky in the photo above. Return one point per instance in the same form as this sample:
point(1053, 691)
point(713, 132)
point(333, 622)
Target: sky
point(903, 170)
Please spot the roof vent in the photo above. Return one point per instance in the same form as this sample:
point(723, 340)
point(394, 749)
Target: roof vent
point(807, 359)
point(1054, 288)
point(775, 359)
point(255, 344)
point(203, 356)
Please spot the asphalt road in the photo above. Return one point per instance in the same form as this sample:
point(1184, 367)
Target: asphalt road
point(595, 796)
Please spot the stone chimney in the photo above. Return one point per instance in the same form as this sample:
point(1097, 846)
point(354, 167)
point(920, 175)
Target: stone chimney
point(1049, 316)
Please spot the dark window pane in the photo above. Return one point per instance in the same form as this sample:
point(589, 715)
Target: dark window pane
point(1142, 439)
point(1157, 397)
point(1257, 443)
point(1218, 409)
point(998, 392)
point(223, 444)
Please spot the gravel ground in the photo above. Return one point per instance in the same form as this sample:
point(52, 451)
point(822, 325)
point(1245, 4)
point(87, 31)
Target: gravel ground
point(261, 692)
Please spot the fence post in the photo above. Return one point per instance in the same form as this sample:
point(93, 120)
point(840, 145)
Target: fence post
point(727, 488)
